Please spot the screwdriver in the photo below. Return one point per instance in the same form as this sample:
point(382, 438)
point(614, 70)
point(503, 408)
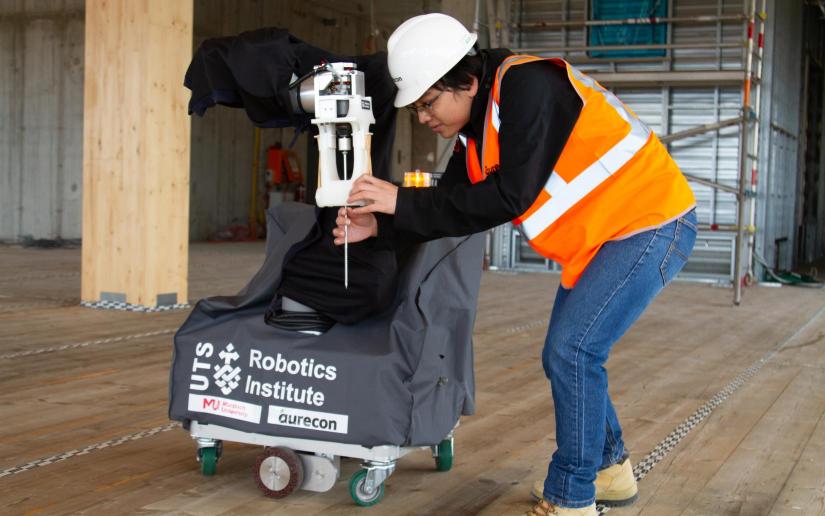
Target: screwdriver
point(346, 251)
point(346, 229)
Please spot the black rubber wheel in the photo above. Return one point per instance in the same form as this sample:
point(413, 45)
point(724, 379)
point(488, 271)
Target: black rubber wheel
point(278, 472)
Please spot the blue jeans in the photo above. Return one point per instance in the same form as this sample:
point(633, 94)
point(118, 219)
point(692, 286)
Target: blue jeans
point(587, 320)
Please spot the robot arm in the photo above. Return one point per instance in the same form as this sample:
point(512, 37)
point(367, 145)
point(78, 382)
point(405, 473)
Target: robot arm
point(335, 94)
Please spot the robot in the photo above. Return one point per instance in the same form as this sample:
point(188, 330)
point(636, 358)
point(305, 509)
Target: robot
point(401, 380)
point(343, 113)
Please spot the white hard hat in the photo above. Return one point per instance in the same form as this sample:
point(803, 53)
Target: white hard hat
point(422, 50)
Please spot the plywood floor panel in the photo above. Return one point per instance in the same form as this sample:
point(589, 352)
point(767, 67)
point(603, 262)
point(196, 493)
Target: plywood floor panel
point(687, 346)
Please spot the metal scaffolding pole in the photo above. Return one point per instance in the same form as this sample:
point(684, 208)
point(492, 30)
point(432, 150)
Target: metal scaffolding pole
point(588, 48)
point(757, 107)
point(741, 196)
point(651, 20)
point(693, 131)
point(712, 184)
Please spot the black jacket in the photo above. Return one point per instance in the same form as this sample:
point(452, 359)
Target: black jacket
point(538, 110)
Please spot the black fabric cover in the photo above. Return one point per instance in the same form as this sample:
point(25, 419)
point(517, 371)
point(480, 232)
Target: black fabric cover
point(253, 70)
point(314, 276)
point(402, 377)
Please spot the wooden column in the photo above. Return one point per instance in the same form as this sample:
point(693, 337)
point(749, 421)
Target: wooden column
point(136, 151)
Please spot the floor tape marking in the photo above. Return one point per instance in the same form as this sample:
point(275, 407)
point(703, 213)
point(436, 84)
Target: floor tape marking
point(107, 340)
point(111, 443)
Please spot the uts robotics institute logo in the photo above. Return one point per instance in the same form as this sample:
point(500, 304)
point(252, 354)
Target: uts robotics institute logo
point(227, 376)
point(264, 378)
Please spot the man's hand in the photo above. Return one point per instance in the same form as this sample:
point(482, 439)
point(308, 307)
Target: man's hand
point(361, 226)
point(379, 195)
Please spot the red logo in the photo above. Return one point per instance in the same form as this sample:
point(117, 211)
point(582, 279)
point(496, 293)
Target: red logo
point(215, 404)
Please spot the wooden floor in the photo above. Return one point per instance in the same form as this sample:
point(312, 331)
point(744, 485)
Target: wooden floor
point(77, 380)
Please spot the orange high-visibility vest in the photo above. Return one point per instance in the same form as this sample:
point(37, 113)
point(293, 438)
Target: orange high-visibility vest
point(614, 178)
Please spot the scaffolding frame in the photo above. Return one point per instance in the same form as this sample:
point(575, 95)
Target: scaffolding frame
point(748, 121)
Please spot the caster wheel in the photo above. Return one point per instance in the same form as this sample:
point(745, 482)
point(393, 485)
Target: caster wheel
point(279, 472)
point(444, 459)
point(208, 457)
point(359, 494)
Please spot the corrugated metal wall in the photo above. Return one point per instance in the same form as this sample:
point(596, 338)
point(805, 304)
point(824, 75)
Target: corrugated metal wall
point(41, 118)
point(671, 109)
point(780, 125)
point(811, 184)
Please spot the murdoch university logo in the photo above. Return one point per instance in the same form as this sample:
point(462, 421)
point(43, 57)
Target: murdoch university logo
point(227, 376)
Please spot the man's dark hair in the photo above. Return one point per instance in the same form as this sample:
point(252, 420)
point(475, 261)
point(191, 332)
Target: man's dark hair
point(460, 76)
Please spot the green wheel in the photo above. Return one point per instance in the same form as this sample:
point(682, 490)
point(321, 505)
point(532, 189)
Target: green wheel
point(444, 459)
point(209, 460)
point(359, 495)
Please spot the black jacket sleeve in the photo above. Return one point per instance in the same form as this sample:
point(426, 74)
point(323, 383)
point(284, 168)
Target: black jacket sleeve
point(455, 173)
point(538, 110)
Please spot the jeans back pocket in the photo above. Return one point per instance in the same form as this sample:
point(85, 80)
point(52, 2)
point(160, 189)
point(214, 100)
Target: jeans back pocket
point(684, 237)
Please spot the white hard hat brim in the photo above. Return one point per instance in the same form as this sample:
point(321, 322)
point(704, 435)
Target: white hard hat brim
point(407, 96)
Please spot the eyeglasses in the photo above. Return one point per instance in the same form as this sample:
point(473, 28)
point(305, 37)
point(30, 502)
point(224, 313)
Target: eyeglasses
point(426, 107)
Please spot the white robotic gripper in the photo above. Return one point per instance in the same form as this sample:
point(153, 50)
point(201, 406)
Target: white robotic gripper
point(343, 115)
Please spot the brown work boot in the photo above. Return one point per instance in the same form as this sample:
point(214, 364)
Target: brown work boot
point(615, 486)
point(545, 508)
